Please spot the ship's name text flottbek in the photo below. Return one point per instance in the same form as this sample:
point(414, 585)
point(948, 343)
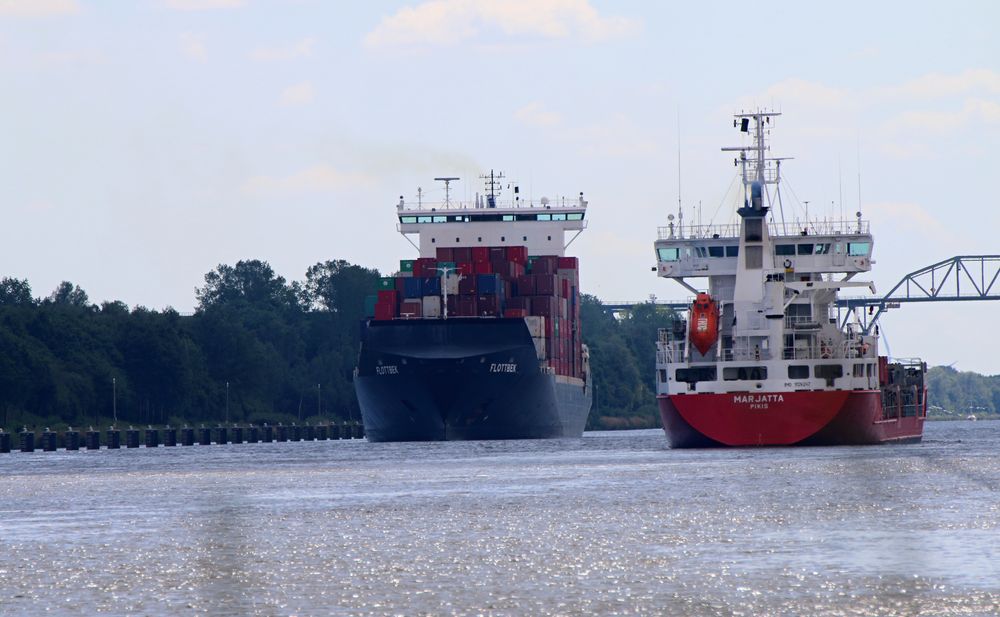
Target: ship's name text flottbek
point(388, 369)
point(503, 367)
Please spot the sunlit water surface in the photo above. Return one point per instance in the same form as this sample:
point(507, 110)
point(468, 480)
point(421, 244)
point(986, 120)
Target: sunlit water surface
point(611, 524)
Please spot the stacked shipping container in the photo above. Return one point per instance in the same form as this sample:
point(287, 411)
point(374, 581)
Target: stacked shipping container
point(493, 282)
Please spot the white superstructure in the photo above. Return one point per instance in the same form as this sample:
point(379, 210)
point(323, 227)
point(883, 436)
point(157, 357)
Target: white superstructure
point(775, 285)
point(542, 226)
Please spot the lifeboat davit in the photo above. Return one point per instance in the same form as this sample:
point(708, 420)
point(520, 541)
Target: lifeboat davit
point(704, 330)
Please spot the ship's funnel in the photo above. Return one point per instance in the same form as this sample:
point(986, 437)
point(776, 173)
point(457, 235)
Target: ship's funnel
point(755, 195)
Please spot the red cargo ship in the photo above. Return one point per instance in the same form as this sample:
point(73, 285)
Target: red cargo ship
point(769, 359)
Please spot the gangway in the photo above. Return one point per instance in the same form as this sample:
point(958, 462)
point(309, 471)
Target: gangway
point(960, 278)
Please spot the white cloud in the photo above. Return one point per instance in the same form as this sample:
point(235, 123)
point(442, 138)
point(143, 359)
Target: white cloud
point(449, 22)
point(905, 215)
point(973, 111)
point(296, 95)
point(937, 85)
point(193, 46)
point(38, 8)
point(202, 5)
point(535, 114)
point(320, 178)
point(905, 151)
point(300, 49)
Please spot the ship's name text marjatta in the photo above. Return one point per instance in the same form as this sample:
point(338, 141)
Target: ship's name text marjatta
point(757, 401)
point(389, 369)
point(503, 367)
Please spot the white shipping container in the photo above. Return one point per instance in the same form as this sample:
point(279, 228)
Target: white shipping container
point(432, 307)
point(451, 284)
point(536, 326)
point(539, 347)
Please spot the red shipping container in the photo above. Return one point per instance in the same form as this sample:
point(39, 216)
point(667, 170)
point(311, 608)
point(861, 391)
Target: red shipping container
point(517, 254)
point(489, 304)
point(545, 284)
point(544, 306)
point(519, 302)
point(565, 288)
point(424, 267)
point(568, 263)
point(515, 312)
point(389, 296)
point(384, 311)
point(467, 306)
point(525, 285)
point(445, 253)
point(500, 266)
point(453, 305)
point(545, 264)
point(401, 283)
point(498, 252)
point(480, 253)
point(483, 267)
point(465, 268)
point(412, 308)
point(467, 286)
point(463, 253)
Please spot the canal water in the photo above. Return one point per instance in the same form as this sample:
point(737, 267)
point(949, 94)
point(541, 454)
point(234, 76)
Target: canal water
point(610, 524)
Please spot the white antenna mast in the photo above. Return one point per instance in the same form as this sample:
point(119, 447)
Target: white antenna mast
point(680, 213)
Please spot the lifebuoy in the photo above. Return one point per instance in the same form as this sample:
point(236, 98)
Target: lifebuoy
point(788, 264)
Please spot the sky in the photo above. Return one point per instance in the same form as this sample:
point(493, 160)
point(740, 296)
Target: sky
point(144, 143)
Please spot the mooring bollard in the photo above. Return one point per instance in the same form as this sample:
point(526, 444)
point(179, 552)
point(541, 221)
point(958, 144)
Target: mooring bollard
point(4, 442)
point(268, 434)
point(93, 439)
point(237, 434)
point(170, 437)
point(253, 434)
point(152, 438)
point(114, 439)
point(71, 439)
point(27, 441)
point(49, 441)
point(205, 436)
point(222, 435)
point(187, 436)
point(131, 438)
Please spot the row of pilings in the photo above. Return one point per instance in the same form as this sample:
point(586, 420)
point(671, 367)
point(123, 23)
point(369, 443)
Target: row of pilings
point(114, 438)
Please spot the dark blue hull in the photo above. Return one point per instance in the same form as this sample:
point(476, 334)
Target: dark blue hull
point(462, 378)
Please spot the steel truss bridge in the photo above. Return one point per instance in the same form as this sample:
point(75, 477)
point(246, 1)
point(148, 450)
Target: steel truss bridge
point(961, 278)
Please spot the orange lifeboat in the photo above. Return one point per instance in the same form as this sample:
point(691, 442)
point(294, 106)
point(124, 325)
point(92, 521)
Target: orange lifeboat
point(704, 330)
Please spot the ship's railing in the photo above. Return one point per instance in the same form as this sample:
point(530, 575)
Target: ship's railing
point(775, 229)
point(500, 204)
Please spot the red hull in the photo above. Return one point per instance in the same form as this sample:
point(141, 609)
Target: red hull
point(782, 419)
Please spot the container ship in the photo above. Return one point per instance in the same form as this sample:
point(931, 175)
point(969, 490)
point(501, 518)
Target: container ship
point(764, 356)
point(479, 337)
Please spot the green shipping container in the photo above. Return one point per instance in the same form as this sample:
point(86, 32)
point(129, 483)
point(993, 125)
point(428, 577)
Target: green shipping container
point(446, 264)
point(406, 265)
point(370, 305)
point(387, 282)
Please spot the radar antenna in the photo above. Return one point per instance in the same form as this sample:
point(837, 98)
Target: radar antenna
point(447, 189)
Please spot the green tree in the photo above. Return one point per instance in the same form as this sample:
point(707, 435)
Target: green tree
point(15, 292)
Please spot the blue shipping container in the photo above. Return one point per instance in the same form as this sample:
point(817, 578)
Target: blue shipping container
point(432, 286)
point(487, 284)
point(413, 287)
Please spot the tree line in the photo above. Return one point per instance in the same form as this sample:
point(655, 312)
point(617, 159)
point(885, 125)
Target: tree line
point(258, 348)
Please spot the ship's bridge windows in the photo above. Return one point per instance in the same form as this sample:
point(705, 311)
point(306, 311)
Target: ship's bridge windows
point(459, 219)
point(744, 373)
point(574, 216)
point(544, 217)
point(805, 249)
point(439, 219)
point(700, 251)
point(784, 249)
point(822, 248)
point(858, 249)
point(669, 254)
point(508, 217)
point(732, 251)
point(407, 219)
point(716, 251)
point(558, 217)
point(423, 219)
